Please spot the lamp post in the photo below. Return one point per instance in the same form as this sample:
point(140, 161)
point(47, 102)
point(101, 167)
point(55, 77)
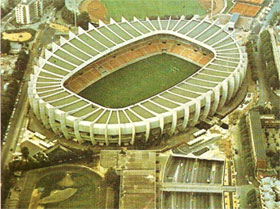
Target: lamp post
point(212, 4)
point(75, 14)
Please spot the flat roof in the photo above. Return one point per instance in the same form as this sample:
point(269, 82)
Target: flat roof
point(234, 17)
point(138, 179)
point(257, 135)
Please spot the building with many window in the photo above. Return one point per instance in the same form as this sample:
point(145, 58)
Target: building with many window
point(27, 11)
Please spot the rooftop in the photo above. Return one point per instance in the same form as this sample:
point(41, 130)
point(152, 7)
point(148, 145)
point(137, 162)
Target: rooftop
point(138, 179)
point(234, 17)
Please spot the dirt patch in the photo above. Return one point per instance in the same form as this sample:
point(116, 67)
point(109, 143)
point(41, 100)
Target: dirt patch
point(217, 5)
point(95, 8)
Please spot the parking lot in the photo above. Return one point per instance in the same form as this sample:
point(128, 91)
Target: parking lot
point(189, 170)
point(192, 200)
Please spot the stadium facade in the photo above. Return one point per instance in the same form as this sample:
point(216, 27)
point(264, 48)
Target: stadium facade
point(90, 55)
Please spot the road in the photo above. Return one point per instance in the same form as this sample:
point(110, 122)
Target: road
point(202, 188)
point(15, 128)
point(17, 122)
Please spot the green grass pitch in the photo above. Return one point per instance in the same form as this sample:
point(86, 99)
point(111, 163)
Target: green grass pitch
point(139, 81)
point(146, 8)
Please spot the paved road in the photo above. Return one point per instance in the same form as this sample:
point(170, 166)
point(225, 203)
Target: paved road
point(15, 128)
point(21, 110)
point(204, 188)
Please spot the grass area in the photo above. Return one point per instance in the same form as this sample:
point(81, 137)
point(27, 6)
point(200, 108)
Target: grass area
point(229, 5)
point(139, 81)
point(147, 8)
point(87, 195)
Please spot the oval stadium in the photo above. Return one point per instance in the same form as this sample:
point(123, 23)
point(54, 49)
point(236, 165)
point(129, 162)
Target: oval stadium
point(78, 66)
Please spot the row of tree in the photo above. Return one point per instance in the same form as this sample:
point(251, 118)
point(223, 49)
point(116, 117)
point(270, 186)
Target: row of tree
point(267, 51)
point(9, 97)
point(251, 60)
point(252, 200)
point(112, 179)
point(41, 160)
point(246, 146)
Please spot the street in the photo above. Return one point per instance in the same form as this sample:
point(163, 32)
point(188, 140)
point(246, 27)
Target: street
point(15, 128)
point(21, 108)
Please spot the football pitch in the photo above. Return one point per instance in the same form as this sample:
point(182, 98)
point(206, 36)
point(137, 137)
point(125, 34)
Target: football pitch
point(139, 81)
point(147, 8)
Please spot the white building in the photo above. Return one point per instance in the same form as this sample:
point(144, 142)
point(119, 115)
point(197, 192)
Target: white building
point(26, 11)
point(55, 83)
point(233, 20)
point(269, 189)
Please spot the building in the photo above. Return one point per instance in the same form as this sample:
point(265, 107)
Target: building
point(28, 10)
point(137, 169)
point(233, 20)
point(257, 139)
point(270, 193)
point(64, 72)
point(15, 47)
point(269, 121)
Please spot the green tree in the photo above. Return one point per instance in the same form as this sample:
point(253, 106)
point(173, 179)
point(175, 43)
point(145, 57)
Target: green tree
point(83, 20)
point(274, 82)
point(111, 178)
point(252, 198)
point(25, 152)
point(67, 15)
point(5, 46)
point(58, 4)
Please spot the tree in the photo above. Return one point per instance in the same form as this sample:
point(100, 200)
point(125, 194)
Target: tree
point(252, 198)
point(67, 15)
point(83, 20)
point(5, 46)
point(111, 178)
point(25, 152)
point(274, 82)
point(3, 12)
point(58, 4)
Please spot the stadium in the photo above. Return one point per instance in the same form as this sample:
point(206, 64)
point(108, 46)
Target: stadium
point(90, 56)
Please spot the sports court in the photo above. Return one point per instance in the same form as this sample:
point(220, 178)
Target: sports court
point(253, 1)
point(245, 9)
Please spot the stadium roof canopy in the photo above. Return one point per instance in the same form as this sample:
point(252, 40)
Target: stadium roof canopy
point(46, 86)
